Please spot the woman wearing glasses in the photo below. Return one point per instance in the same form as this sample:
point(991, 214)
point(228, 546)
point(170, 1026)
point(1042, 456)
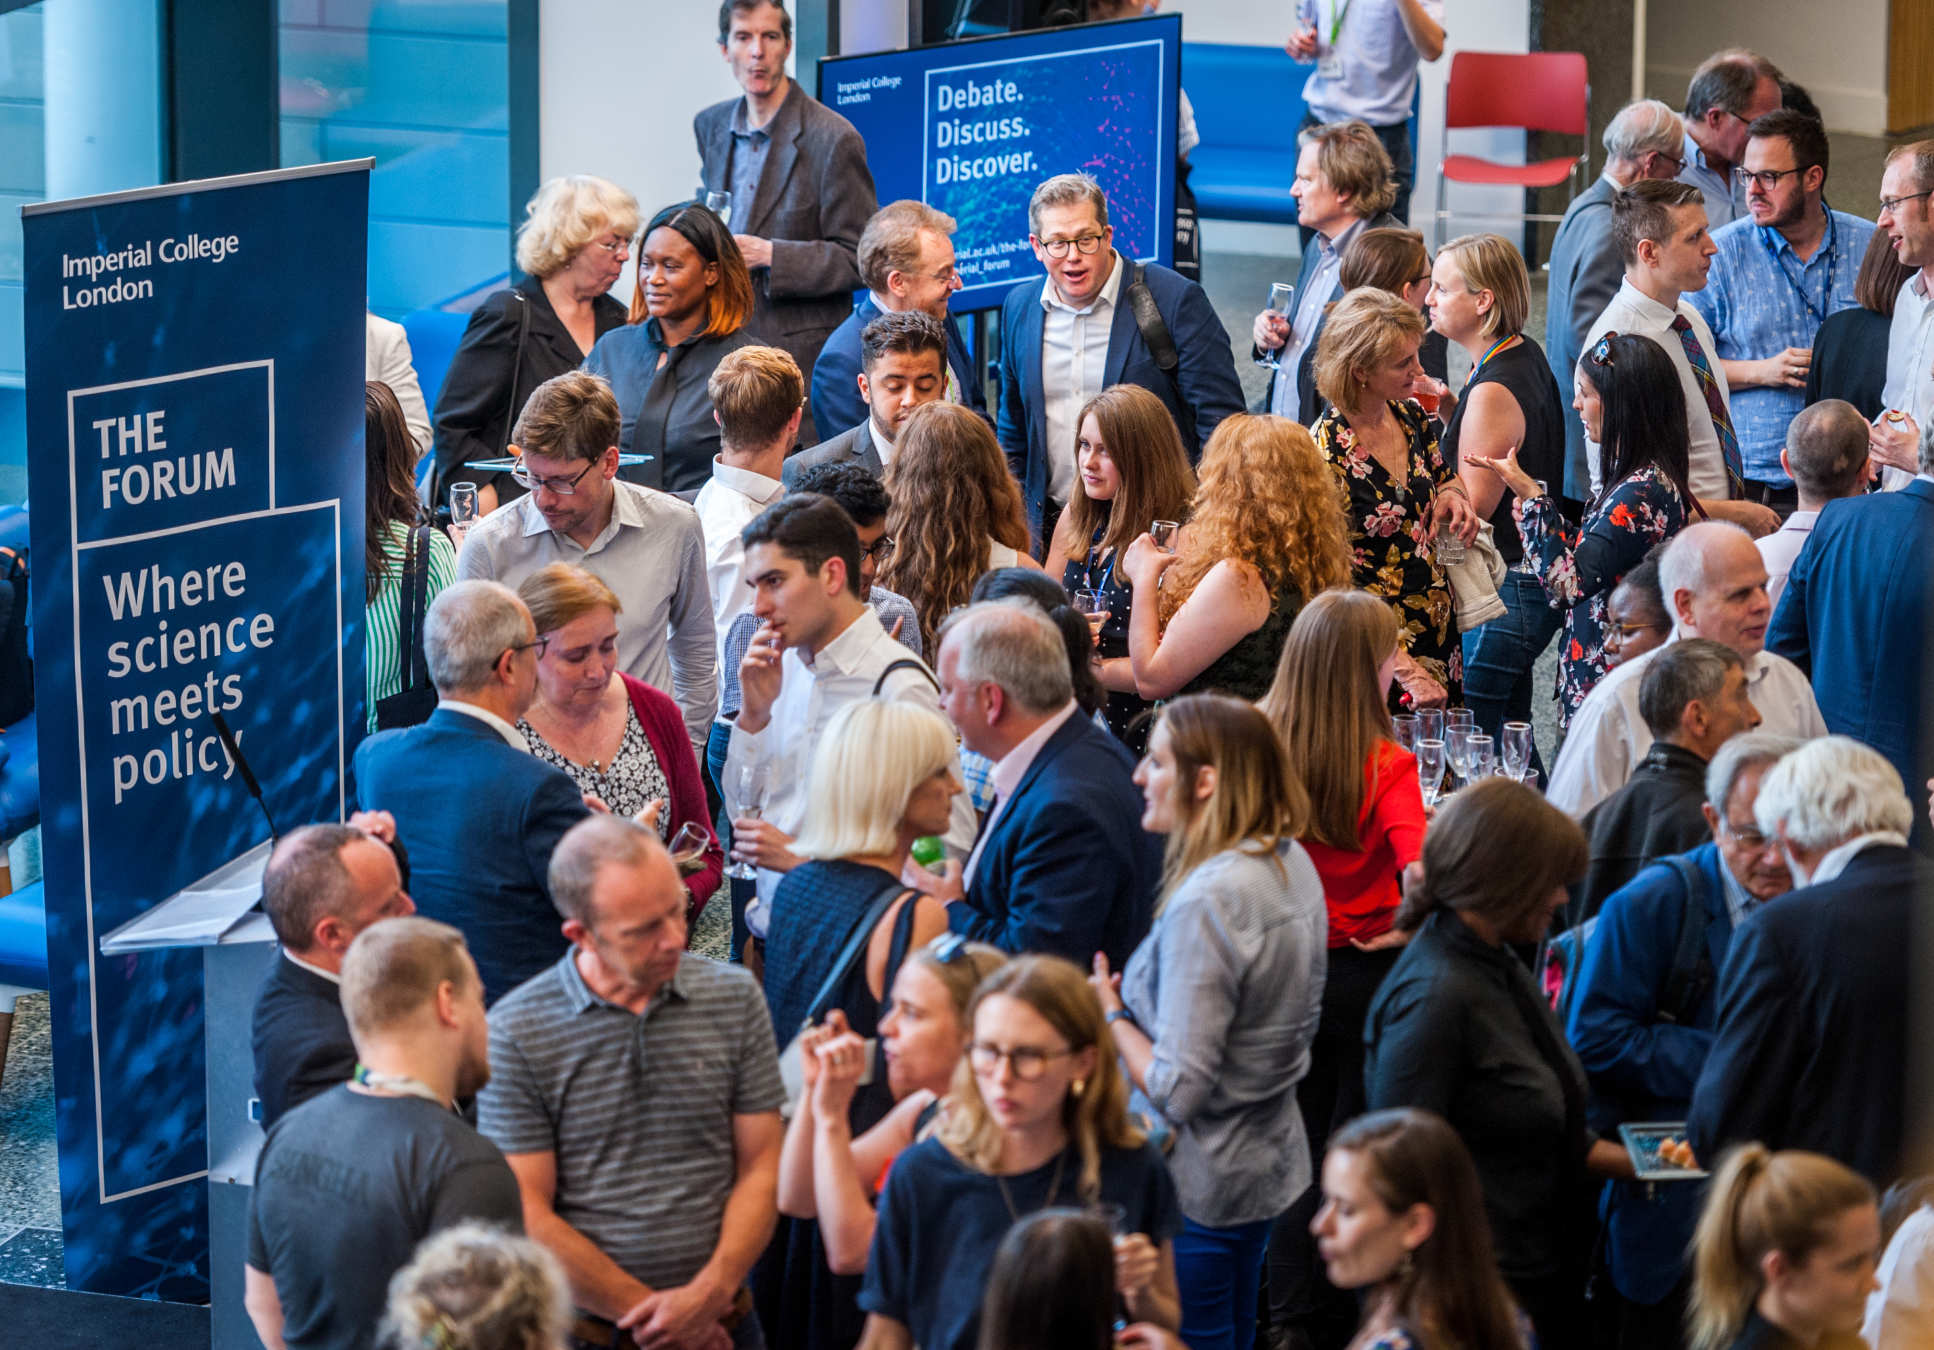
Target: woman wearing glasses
point(1038, 1119)
point(573, 244)
point(692, 300)
point(619, 739)
point(1214, 1015)
point(1130, 471)
point(1628, 395)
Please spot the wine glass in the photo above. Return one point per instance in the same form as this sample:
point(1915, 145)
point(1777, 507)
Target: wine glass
point(1430, 769)
point(1457, 742)
point(1430, 724)
point(1281, 296)
point(1093, 607)
point(720, 205)
point(688, 847)
point(1480, 754)
point(1404, 728)
point(752, 794)
point(1162, 532)
point(1516, 749)
point(1461, 717)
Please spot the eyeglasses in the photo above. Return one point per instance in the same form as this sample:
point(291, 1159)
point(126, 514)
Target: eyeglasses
point(1601, 355)
point(1891, 204)
point(1029, 1061)
point(541, 644)
point(613, 246)
point(562, 487)
point(1747, 836)
point(1678, 162)
point(1765, 179)
point(879, 550)
point(1625, 632)
point(1083, 244)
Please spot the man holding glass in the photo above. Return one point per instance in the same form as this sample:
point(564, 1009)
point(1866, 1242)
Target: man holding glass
point(646, 546)
point(1066, 339)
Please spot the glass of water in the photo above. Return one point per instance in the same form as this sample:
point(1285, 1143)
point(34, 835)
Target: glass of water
point(1430, 724)
point(1163, 533)
point(1516, 749)
point(463, 503)
point(1460, 717)
point(1430, 770)
point(752, 794)
point(1281, 296)
point(720, 205)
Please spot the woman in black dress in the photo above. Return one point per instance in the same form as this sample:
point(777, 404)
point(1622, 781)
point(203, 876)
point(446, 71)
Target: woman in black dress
point(1130, 471)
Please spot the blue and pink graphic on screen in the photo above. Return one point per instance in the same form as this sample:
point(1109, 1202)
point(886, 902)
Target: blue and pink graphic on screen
point(972, 128)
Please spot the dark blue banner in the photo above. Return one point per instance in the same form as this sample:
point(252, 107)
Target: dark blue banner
point(195, 433)
point(971, 128)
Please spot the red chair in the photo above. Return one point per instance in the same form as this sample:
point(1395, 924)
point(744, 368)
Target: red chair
point(1535, 91)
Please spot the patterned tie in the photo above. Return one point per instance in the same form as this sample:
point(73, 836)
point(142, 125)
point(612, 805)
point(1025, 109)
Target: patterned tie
point(1722, 421)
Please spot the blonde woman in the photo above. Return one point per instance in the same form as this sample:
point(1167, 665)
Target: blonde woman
point(1038, 1118)
point(1266, 536)
point(1784, 1255)
point(474, 1287)
point(1401, 493)
point(1215, 1013)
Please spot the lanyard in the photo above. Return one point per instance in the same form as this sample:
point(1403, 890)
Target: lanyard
point(1489, 352)
point(1766, 234)
point(1336, 18)
point(400, 1084)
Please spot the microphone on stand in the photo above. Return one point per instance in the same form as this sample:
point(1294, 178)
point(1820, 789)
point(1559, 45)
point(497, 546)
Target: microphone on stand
point(234, 749)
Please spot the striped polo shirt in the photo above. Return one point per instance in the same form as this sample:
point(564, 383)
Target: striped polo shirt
point(636, 1107)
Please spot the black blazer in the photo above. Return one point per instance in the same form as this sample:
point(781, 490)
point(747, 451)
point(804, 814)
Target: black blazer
point(1812, 1043)
point(487, 384)
point(300, 1038)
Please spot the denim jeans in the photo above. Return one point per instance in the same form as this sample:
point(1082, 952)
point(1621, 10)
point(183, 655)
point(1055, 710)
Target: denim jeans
point(740, 892)
point(1498, 656)
point(1219, 1274)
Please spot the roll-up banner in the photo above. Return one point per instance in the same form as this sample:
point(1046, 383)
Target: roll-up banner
point(195, 461)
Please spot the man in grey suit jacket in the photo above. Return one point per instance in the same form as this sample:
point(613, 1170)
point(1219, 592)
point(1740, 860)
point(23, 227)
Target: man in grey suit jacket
point(801, 191)
point(903, 364)
point(1643, 141)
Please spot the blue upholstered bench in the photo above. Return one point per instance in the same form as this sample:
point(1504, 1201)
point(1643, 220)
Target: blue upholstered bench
point(1248, 105)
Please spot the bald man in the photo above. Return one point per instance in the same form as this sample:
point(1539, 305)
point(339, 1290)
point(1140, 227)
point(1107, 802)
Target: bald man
point(1826, 457)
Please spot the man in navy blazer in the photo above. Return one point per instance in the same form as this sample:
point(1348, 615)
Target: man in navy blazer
point(1857, 603)
point(906, 265)
point(1065, 339)
point(1813, 1049)
point(1062, 865)
point(478, 813)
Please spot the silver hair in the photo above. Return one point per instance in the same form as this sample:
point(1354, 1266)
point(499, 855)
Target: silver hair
point(1067, 189)
point(1682, 567)
point(1682, 672)
point(1831, 790)
point(469, 625)
point(1746, 751)
point(1644, 127)
point(1013, 644)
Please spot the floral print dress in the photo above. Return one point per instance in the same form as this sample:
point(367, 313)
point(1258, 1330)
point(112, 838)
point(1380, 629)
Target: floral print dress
point(1580, 569)
point(1387, 529)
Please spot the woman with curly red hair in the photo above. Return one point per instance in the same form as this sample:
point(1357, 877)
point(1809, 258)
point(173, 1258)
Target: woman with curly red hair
point(1267, 536)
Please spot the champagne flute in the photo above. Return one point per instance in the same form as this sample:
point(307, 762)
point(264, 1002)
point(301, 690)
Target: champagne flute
point(752, 793)
point(1430, 724)
point(1457, 742)
point(1430, 769)
point(1404, 728)
point(1516, 749)
point(1480, 752)
point(1163, 534)
point(688, 847)
point(1281, 296)
point(720, 205)
point(1461, 717)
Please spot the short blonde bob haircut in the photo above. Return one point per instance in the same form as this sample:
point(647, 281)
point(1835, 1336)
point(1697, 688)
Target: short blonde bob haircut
point(559, 592)
point(1365, 329)
point(1490, 262)
point(872, 757)
point(566, 215)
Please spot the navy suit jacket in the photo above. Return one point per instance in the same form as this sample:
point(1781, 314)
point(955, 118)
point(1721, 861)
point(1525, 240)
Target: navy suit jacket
point(835, 376)
point(1812, 1045)
point(1586, 271)
point(300, 1038)
point(1854, 617)
point(480, 819)
point(1309, 403)
point(1199, 393)
point(1067, 868)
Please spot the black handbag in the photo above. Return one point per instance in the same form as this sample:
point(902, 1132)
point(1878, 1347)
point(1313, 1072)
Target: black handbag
point(417, 699)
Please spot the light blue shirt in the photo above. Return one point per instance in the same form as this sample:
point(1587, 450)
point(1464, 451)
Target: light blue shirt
point(1761, 299)
point(1318, 291)
point(1376, 60)
point(1722, 207)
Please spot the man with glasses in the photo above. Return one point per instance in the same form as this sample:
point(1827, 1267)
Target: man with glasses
point(1644, 140)
point(1069, 337)
point(907, 266)
point(1643, 1017)
point(1907, 215)
point(1774, 280)
point(1729, 92)
point(476, 813)
point(904, 360)
point(646, 546)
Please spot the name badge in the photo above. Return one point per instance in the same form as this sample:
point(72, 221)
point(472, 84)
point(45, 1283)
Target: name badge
point(1330, 66)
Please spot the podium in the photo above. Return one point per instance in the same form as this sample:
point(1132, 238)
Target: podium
point(218, 915)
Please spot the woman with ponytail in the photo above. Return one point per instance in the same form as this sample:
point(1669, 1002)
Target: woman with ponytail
point(1784, 1255)
point(474, 1287)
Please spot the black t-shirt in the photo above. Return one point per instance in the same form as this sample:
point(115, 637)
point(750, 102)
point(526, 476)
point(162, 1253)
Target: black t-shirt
point(1522, 370)
point(346, 1186)
point(940, 1222)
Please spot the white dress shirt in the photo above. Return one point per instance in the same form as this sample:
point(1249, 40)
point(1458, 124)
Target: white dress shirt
point(1633, 313)
point(1608, 736)
point(332, 976)
point(1306, 317)
point(1074, 354)
point(1778, 550)
point(1900, 1313)
point(1910, 364)
point(811, 690)
point(512, 736)
point(1007, 774)
point(730, 500)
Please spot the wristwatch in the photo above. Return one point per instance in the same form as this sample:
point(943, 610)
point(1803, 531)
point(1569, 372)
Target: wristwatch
point(1122, 1015)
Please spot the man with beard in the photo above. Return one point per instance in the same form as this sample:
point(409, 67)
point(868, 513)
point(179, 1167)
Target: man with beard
point(349, 1182)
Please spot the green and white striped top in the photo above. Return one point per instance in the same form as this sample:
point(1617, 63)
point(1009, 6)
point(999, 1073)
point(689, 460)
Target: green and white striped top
point(384, 662)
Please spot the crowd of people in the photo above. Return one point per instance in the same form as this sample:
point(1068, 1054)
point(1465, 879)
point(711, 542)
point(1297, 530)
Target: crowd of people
point(1058, 859)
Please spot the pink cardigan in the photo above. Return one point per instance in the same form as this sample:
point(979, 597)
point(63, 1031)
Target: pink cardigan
point(664, 727)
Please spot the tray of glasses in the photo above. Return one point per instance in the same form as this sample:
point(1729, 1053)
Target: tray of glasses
point(1660, 1152)
point(509, 462)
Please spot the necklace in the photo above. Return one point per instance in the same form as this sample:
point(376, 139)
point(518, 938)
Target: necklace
point(401, 1085)
point(1054, 1186)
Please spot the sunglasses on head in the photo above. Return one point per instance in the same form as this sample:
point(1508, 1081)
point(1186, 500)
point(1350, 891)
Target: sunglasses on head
point(1601, 355)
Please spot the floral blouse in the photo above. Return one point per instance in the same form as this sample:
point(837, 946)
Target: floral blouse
point(1580, 569)
point(1390, 557)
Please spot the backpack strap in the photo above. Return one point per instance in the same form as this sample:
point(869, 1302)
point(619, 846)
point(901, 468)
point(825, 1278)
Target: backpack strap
point(1154, 328)
point(1691, 976)
point(906, 663)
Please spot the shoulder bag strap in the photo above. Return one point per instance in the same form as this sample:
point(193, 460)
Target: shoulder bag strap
point(408, 621)
point(1691, 973)
point(1148, 318)
point(854, 948)
point(420, 595)
point(906, 663)
point(516, 368)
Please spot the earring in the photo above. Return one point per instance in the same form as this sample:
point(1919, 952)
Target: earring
point(1079, 1086)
